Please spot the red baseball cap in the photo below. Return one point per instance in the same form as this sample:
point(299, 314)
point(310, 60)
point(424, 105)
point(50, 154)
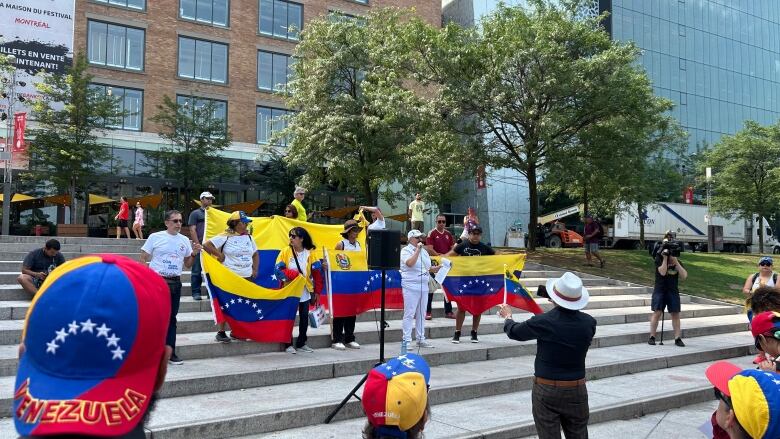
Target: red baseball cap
point(765, 323)
point(94, 338)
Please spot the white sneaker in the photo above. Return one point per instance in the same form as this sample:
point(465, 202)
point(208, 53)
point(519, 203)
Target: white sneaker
point(338, 346)
point(353, 345)
point(424, 344)
point(306, 348)
point(291, 350)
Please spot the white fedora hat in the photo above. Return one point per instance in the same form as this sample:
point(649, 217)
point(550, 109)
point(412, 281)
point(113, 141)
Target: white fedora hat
point(567, 291)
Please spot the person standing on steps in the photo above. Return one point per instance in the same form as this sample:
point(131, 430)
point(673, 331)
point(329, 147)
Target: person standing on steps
point(559, 398)
point(439, 242)
point(377, 219)
point(765, 277)
point(593, 233)
point(122, 217)
point(167, 253)
point(236, 249)
point(666, 294)
point(298, 196)
point(197, 229)
point(344, 327)
point(38, 264)
point(415, 212)
point(415, 272)
point(299, 258)
point(138, 221)
point(471, 247)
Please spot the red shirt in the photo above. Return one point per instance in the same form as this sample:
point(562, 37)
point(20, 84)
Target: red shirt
point(124, 211)
point(441, 242)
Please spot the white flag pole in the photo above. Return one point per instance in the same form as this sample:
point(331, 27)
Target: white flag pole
point(504, 284)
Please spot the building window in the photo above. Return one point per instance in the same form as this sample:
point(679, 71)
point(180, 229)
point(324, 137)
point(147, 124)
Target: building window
point(280, 18)
point(273, 70)
point(203, 60)
point(191, 103)
point(269, 121)
point(115, 46)
point(129, 101)
point(216, 12)
point(131, 4)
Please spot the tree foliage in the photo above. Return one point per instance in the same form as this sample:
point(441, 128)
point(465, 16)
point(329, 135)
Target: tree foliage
point(196, 137)
point(70, 114)
point(363, 123)
point(533, 81)
point(746, 173)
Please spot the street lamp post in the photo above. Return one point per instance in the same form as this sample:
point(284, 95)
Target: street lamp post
point(11, 97)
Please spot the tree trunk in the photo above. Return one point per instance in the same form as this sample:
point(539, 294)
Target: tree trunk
point(533, 196)
point(85, 217)
point(760, 226)
point(72, 191)
point(368, 193)
point(641, 225)
point(585, 204)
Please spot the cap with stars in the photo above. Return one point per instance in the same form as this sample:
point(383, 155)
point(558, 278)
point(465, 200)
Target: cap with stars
point(396, 393)
point(94, 338)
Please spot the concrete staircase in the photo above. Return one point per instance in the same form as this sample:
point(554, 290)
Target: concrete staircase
point(246, 389)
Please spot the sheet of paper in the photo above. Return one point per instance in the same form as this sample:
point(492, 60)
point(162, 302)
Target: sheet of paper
point(445, 264)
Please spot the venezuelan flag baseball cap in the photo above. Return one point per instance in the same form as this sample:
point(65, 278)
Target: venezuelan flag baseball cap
point(755, 397)
point(93, 340)
point(239, 215)
point(396, 393)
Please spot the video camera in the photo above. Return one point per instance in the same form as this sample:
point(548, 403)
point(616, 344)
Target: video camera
point(670, 248)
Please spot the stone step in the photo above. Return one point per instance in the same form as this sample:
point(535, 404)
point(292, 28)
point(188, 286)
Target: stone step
point(189, 322)
point(201, 345)
point(613, 371)
point(40, 240)
point(132, 253)
point(509, 415)
point(107, 247)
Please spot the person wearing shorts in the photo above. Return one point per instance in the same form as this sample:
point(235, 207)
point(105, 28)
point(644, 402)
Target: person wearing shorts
point(666, 295)
point(122, 217)
point(592, 237)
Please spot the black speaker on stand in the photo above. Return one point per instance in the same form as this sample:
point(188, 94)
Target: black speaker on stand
point(384, 253)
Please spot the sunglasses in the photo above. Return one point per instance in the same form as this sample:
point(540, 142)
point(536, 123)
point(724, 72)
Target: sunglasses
point(770, 334)
point(293, 235)
point(177, 221)
point(441, 222)
point(765, 264)
point(721, 396)
point(287, 211)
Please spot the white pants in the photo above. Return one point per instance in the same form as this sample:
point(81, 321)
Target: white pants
point(415, 302)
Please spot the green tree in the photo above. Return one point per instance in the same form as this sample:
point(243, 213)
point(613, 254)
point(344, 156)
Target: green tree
point(363, 122)
point(196, 134)
point(533, 80)
point(64, 148)
point(746, 173)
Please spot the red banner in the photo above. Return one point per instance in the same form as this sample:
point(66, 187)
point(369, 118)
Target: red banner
point(688, 195)
point(20, 123)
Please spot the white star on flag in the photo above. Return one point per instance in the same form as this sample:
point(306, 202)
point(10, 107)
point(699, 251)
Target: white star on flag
point(365, 288)
point(232, 301)
point(52, 347)
point(87, 326)
point(61, 334)
point(73, 327)
point(273, 277)
point(240, 301)
point(254, 305)
point(103, 330)
point(259, 311)
point(112, 341)
point(118, 353)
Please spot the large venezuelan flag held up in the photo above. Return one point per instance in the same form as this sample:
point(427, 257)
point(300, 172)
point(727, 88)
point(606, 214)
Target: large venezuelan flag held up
point(253, 312)
point(356, 289)
point(476, 283)
point(518, 296)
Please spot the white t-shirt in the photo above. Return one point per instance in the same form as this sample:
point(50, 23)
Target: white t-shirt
point(238, 251)
point(303, 261)
point(167, 252)
point(348, 246)
point(419, 269)
point(379, 224)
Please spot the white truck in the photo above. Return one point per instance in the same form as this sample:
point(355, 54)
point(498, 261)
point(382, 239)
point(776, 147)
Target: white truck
point(690, 223)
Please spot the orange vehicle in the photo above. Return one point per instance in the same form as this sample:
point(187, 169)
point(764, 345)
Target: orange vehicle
point(553, 233)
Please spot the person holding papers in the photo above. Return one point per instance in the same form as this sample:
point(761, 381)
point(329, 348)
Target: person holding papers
point(415, 269)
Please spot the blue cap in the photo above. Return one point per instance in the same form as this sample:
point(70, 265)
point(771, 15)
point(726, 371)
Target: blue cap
point(765, 259)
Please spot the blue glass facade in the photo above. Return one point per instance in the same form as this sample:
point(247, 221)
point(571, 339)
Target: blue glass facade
point(718, 60)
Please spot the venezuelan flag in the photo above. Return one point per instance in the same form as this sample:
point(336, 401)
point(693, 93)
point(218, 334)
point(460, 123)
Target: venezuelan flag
point(355, 289)
point(518, 296)
point(253, 312)
point(271, 235)
point(476, 283)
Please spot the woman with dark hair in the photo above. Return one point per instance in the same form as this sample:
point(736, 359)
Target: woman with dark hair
point(299, 258)
point(290, 211)
point(122, 217)
point(236, 249)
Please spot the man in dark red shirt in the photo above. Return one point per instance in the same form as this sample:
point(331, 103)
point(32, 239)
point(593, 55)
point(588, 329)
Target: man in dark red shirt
point(439, 242)
point(592, 238)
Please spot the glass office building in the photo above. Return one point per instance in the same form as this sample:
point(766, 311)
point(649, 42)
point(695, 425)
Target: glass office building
point(717, 60)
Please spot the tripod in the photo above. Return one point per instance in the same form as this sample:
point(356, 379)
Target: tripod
point(353, 392)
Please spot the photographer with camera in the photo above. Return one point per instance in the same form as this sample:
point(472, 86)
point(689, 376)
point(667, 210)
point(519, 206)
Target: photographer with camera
point(666, 295)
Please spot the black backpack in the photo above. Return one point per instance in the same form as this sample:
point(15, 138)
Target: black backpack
point(755, 276)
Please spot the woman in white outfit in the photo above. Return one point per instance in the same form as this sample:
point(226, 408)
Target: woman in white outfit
point(415, 269)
